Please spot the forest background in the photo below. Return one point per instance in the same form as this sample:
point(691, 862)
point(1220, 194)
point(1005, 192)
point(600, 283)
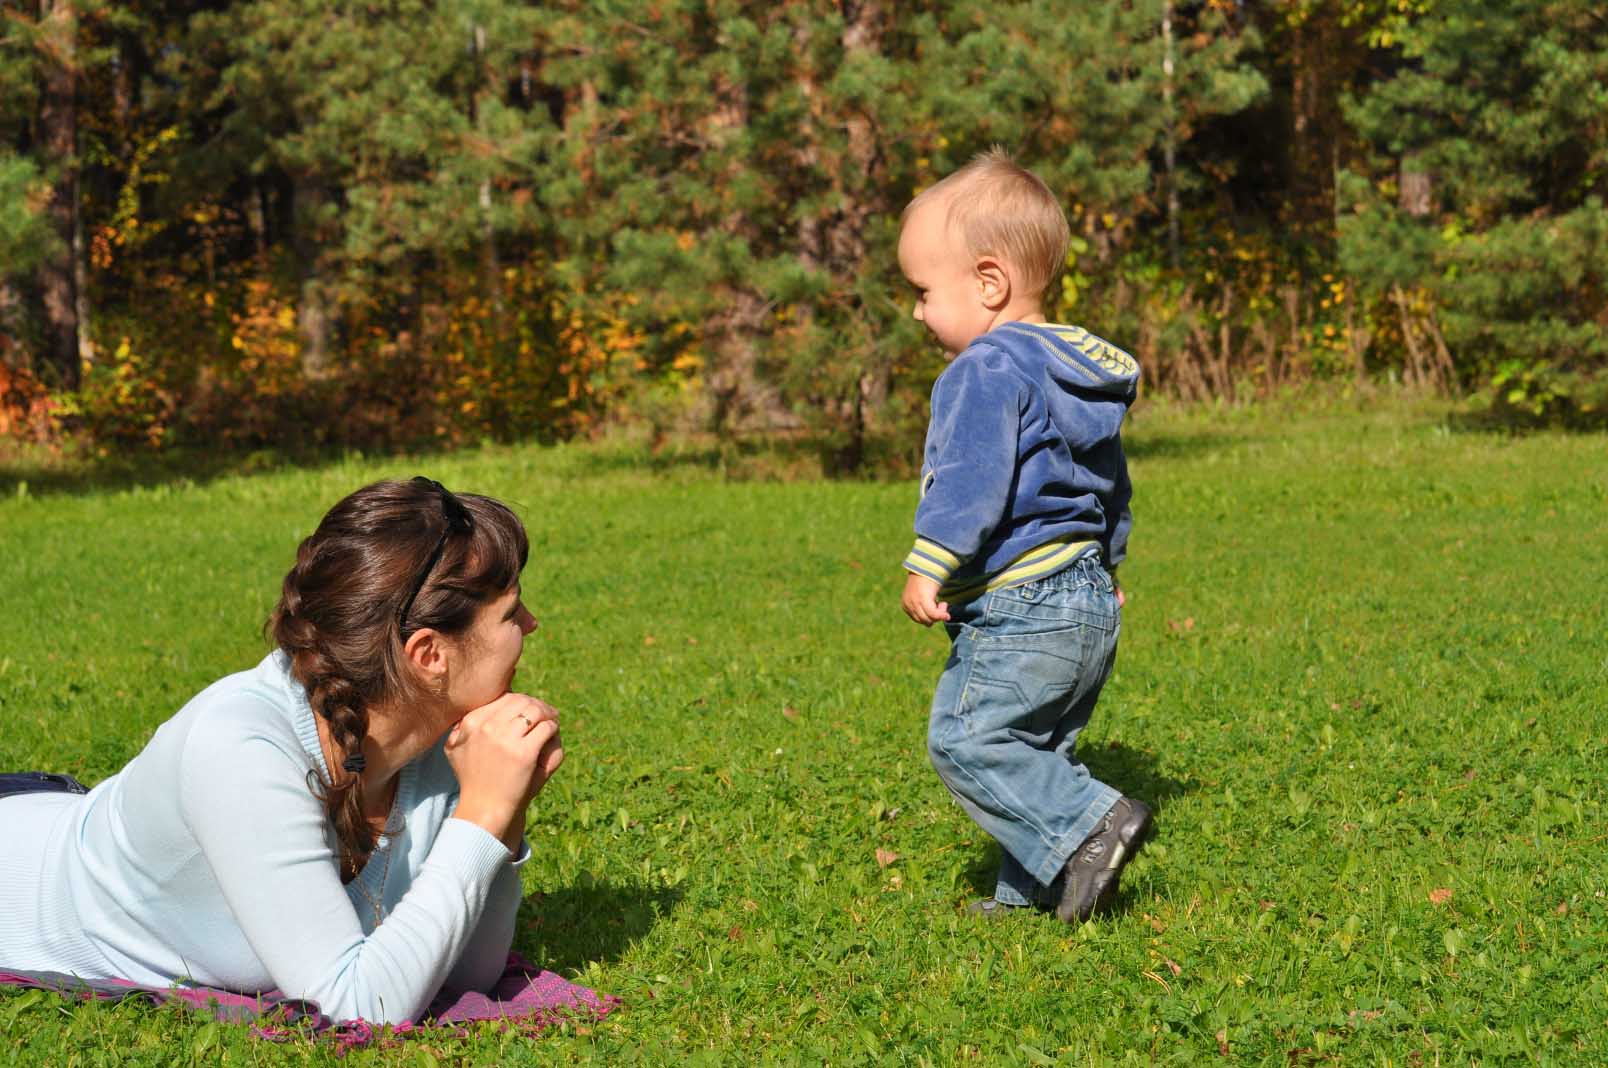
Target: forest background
point(294, 223)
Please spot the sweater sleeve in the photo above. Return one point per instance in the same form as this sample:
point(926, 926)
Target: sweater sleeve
point(970, 463)
point(486, 954)
point(244, 796)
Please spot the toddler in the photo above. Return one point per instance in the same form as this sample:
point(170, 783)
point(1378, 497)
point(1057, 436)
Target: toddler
point(1022, 522)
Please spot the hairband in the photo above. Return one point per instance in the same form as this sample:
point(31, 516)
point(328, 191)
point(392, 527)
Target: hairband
point(459, 521)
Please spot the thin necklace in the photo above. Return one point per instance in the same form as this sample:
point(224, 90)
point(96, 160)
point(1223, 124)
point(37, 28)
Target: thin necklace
point(378, 904)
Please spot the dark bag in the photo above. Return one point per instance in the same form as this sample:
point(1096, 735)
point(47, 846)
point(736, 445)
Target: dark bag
point(39, 782)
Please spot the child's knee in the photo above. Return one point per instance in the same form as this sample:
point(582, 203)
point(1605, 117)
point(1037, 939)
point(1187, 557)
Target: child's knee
point(947, 747)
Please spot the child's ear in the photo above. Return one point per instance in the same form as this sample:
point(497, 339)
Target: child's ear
point(993, 283)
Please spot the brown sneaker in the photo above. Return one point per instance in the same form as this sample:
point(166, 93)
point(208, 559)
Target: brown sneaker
point(1092, 870)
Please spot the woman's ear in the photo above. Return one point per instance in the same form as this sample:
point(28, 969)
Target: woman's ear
point(993, 283)
point(427, 651)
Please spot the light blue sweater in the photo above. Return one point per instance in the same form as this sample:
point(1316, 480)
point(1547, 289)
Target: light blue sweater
point(208, 858)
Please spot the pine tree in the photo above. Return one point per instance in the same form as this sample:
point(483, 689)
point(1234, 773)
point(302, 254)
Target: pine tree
point(741, 166)
point(390, 129)
point(1483, 217)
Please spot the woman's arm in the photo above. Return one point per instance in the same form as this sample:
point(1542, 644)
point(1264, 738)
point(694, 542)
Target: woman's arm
point(486, 954)
point(245, 797)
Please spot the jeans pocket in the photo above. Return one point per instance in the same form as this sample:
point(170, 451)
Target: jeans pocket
point(1027, 683)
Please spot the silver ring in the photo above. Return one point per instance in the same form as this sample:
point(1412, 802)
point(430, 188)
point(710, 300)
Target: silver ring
point(526, 719)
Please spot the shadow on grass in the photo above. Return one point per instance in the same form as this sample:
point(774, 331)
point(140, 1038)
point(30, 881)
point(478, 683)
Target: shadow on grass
point(46, 476)
point(1497, 420)
point(774, 457)
point(1165, 446)
point(593, 920)
point(757, 456)
point(1132, 771)
point(769, 458)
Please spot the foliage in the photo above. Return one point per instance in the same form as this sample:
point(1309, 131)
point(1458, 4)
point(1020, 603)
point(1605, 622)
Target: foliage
point(121, 403)
point(758, 157)
point(443, 197)
point(23, 234)
point(1339, 877)
point(27, 410)
point(1500, 107)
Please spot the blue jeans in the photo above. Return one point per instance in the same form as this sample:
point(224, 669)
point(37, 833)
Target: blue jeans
point(39, 782)
point(1025, 668)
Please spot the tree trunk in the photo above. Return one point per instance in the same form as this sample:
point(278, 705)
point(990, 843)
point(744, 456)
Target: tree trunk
point(86, 341)
point(835, 239)
point(58, 132)
point(312, 310)
point(1169, 145)
point(1416, 187)
point(490, 263)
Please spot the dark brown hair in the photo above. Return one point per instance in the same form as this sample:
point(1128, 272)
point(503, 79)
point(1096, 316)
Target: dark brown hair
point(338, 617)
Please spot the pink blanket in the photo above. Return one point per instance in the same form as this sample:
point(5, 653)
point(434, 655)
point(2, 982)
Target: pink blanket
point(525, 998)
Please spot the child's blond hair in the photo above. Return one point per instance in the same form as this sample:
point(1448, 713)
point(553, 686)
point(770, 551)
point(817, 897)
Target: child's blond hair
point(1001, 208)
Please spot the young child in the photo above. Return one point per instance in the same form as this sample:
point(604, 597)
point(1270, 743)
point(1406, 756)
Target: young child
point(1023, 519)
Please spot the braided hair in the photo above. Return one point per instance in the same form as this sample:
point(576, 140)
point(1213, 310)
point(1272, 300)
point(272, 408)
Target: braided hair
point(390, 559)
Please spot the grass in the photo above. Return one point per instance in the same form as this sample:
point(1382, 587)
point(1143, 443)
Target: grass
point(1361, 679)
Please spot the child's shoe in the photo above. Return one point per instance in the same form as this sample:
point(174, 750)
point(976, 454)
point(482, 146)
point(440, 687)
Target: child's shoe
point(1090, 875)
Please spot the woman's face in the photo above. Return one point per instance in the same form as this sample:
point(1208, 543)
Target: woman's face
point(489, 652)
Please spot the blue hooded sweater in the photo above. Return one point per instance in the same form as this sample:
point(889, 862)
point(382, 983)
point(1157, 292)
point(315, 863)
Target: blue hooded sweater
point(1024, 470)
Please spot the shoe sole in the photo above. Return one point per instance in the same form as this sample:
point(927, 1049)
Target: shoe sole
point(1104, 881)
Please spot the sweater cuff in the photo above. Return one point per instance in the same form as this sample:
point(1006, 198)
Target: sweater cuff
point(469, 848)
point(931, 560)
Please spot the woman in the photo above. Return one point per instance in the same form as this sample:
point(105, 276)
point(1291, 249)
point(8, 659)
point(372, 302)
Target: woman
point(343, 822)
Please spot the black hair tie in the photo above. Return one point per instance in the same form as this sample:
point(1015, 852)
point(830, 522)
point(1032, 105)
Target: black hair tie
point(355, 763)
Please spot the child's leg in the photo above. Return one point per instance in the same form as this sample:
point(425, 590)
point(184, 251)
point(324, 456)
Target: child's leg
point(1023, 675)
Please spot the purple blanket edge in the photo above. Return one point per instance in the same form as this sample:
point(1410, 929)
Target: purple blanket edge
point(524, 997)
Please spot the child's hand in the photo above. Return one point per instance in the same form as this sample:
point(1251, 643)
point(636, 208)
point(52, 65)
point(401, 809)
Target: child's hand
point(921, 601)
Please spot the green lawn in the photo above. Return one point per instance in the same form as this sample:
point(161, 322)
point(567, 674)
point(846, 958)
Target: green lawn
point(1362, 680)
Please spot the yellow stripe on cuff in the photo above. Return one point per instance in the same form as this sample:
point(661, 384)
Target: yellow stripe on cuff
point(937, 552)
point(920, 566)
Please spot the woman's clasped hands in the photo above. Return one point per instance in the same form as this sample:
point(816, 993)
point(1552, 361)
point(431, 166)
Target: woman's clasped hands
point(503, 754)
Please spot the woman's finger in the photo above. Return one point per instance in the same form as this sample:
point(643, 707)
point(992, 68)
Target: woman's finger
point(541, 735)
point(551, 758)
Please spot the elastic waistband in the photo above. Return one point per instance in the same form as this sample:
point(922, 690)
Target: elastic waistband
point(1036, 563)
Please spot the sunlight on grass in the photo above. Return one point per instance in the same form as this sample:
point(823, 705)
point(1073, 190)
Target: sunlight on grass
point(1361, 681)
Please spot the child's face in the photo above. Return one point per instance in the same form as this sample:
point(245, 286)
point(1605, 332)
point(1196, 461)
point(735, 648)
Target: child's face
point(949, 291)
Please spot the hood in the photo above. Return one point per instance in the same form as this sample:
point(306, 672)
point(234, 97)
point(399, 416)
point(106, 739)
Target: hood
point(1079, 361)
